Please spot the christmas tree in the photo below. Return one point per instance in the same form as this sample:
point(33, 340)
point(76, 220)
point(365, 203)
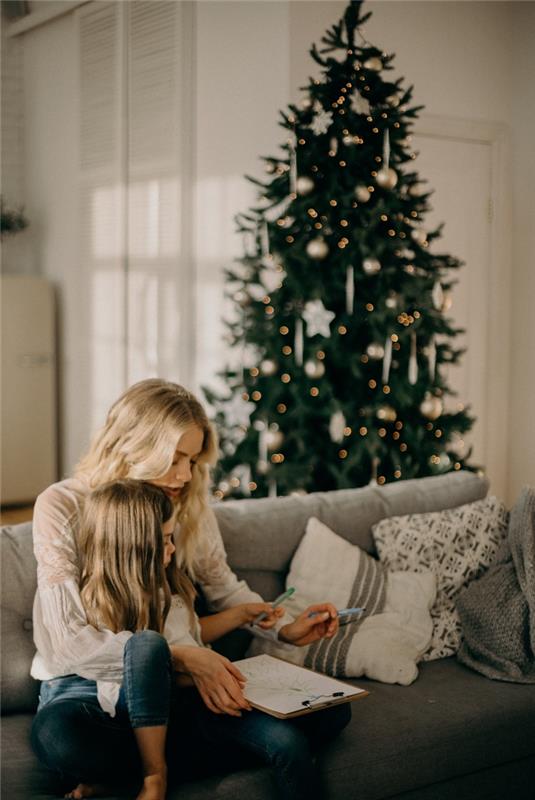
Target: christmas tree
point(340, 302)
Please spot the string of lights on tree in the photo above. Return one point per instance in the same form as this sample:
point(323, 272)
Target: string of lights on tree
point(340, 322)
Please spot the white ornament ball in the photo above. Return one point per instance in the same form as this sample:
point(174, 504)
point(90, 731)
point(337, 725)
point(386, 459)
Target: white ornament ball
point(306, 103)
point(375, 350)
point(393, 100)
point(386, 413)
point(317, 248)
point(419, 235)
point(242, 298)
point(269, 168)
point(348, 141)
point(371, 266)
point(374, 63)
point(314, 369)
point(304, 185)
point(274, 440)
point(362, 194)
point(268, 367)
point(431, 406)
point(387, 178)
point(391, 301)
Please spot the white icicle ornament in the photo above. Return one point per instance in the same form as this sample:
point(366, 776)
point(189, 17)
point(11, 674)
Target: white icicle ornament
point(337, 426)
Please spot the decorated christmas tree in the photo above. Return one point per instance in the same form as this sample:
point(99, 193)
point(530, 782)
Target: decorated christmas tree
point(340, 298)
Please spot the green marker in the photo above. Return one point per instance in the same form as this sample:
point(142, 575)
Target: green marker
point(278, 600)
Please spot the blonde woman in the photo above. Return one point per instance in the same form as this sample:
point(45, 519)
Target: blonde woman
point(156, 432)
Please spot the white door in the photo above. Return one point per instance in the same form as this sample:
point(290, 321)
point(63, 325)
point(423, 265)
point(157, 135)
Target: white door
point(459, 167)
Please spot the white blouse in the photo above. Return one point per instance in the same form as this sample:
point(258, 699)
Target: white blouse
point(66, 644)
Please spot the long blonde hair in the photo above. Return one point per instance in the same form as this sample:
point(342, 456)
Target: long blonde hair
point(139, 439)
point(123, 578)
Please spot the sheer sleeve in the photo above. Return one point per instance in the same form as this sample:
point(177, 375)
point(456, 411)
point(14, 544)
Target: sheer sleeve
point(65, 642)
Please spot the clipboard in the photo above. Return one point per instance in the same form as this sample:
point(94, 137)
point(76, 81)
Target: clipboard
point(285, 690)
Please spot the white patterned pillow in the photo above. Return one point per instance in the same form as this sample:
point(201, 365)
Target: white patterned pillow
point(457, 544)
point(388, 640)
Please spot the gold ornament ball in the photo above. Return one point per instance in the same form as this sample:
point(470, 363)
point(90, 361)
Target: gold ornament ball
point(386, 413)
point(317, 248)
point(371, 266)
point(268, 367)
point(269, 168)
point(431, 406)
point(362, 194)
point(387, 178)
point(304, 185)
point(374, 63)
point(416, 190)
point(314, 369)
point(419, 235)
point(447, 300)
point(375, 350)
point(393, 100)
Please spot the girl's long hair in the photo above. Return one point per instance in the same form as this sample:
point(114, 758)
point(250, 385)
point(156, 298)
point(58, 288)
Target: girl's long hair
point(139, 439)
point(124, 584)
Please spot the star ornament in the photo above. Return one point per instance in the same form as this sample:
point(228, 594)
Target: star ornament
point(322, 120)
point(359, 104)
point(318, 318)
point(271, 278)
point(238, 411)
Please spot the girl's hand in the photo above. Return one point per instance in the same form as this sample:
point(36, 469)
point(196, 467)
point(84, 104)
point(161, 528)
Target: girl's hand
point(307, 629)
point(250, 611)
point(218, 681)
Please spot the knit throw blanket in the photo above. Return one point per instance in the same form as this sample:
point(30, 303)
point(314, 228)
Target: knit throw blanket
point(498, 610)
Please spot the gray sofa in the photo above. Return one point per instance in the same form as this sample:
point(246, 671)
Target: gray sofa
point(451, 734)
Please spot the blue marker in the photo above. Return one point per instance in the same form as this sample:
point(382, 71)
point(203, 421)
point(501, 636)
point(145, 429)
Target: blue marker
point(345, 614)
point(278, 600)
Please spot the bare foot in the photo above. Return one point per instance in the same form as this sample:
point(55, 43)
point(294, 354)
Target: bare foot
point(87, 790)
point(154, 787)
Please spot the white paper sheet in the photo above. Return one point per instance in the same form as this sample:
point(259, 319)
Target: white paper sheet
point(286, 688)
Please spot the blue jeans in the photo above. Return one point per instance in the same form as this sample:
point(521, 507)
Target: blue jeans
point(72, 735)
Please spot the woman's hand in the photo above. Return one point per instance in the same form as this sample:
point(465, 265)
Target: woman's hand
point(218, 681)
point(250, 611)
point(323, 624)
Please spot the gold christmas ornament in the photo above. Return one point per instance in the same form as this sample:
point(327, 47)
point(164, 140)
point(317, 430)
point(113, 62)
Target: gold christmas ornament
point(304, 185)
point(387, 178)
point(386, 413)
point(373, 63)
point(447, 301)
point(317, 248)
point(431, 406)
point(393, 100)
point(314, 369)
point(362, 194)
point(371, 266)
point(419, 235)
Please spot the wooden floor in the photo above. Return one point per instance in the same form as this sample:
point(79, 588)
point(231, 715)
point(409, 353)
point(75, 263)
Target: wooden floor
point(11, 515)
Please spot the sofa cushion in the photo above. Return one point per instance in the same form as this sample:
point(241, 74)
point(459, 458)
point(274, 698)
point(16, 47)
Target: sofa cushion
point(263, 534)
point(457, 544)
point(395, 629)
point(19, 582)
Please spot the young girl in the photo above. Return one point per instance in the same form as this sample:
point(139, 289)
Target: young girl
point(156, 432)
point(130, 582)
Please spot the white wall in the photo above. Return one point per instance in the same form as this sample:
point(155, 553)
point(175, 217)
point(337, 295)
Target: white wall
point(250, 59)
point(522, 373)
